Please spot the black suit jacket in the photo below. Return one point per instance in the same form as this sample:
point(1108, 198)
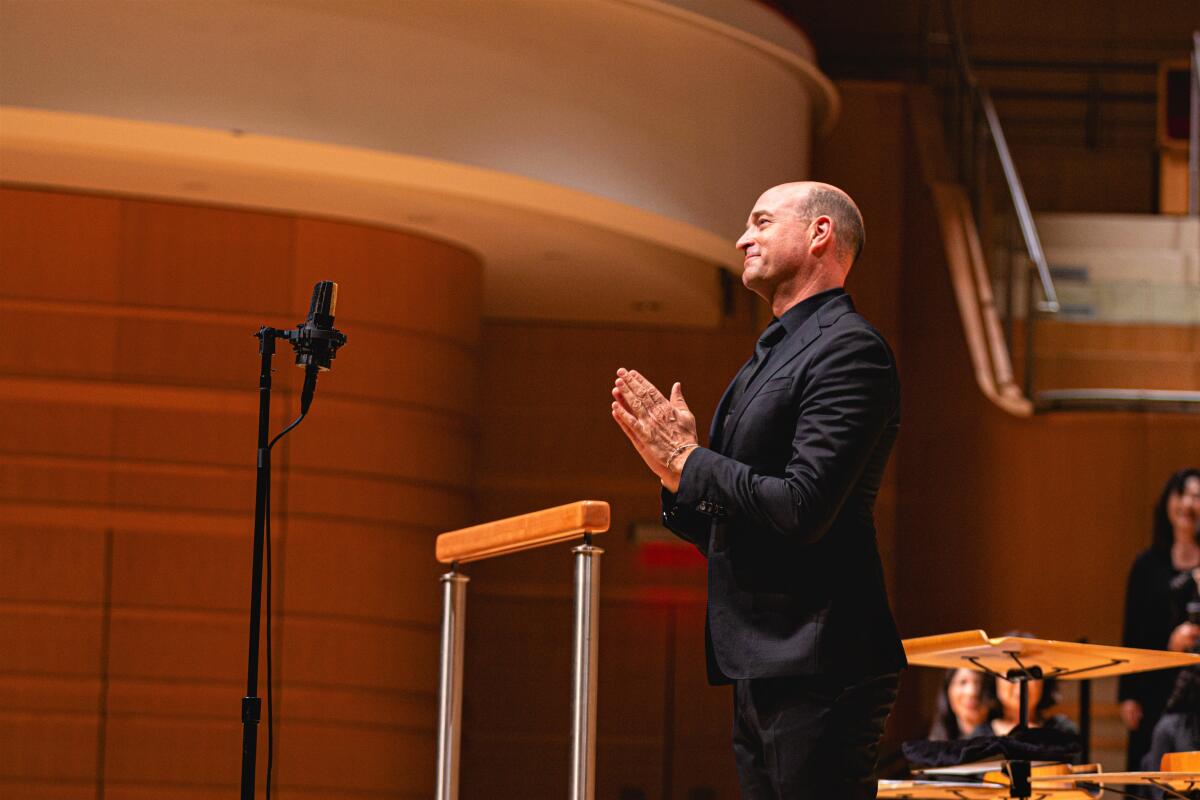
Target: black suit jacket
point(781, 503)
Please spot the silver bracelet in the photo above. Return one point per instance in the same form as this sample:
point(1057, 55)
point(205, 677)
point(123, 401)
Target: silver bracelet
point(678, 450)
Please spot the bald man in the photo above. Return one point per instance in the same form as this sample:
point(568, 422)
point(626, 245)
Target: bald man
point(780, 503)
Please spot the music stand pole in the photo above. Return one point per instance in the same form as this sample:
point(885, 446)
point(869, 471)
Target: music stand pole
point(251, 704)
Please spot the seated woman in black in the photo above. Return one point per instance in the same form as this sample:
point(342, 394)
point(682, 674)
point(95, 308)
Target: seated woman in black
point(1043, 695)
point(964, 704)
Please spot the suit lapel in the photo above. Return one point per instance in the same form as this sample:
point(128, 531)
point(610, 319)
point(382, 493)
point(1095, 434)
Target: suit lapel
point(783, 354)
point(716, 434)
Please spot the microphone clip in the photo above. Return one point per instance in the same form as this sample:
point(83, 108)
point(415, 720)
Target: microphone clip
point(313, 345)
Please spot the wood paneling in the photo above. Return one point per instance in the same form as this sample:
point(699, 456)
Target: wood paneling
point(367, 654)
point(127, 475)
point(363, 571)
point(50, 747)
point(384, 278)
point(83, 345)
point(145, 569)
point(50, 639)
point(342, 759)
point(40, 564)
point(216, 259)
point(1076, 354)
point(60, 246)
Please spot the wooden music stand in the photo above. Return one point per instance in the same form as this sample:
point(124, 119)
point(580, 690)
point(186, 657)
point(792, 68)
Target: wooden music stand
point(1020, 660)
point(940, 790)
point(1062, 660)
point(1181, 785)
point(1178, 777)
point(1000, 773)
point(1054, 782)
point(961, 790)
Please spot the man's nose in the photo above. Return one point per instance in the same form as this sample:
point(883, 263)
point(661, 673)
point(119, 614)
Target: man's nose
point(744, 241)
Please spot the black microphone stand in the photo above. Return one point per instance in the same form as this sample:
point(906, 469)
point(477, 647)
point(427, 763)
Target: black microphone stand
point(251, 704)
point(315, 347)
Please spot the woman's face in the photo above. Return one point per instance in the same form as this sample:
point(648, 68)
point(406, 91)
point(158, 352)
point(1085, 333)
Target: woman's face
point(1183, 507)
point(965, 694)
point(1009, 695)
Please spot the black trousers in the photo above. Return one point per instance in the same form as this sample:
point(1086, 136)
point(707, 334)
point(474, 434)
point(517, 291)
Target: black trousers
point(805, 737)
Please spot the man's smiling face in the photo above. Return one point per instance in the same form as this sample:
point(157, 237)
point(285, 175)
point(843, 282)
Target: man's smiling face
point(775, 244)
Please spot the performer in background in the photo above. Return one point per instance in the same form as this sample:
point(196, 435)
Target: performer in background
point(1161, 584)
point(781, 504)
point(1041, 697)
point(964, 705)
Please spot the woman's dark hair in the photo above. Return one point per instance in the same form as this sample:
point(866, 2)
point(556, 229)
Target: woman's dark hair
point(945, 724)
point(1185, 697)
point(1164, 534)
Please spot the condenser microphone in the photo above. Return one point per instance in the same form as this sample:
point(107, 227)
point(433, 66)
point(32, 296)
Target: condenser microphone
point(315, 340)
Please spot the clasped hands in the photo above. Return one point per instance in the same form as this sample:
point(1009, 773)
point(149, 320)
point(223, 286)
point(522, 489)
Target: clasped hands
point(662, 430)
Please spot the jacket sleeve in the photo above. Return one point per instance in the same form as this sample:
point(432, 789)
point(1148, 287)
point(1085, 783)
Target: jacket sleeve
point(848, 396)
point(686, 523)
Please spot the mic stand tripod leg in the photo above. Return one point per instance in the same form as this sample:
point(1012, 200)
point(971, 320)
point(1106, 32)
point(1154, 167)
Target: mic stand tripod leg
point(251, 704)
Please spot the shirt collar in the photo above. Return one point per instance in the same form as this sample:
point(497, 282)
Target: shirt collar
point(798, 314)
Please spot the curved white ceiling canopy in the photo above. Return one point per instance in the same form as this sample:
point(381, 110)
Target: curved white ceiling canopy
point(600, 155)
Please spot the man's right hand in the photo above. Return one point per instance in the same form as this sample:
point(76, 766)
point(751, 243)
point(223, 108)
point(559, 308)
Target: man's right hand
point(1131, 714)
point(1184, 637)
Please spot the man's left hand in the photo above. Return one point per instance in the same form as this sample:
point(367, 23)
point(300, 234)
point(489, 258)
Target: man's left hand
point(662, 430)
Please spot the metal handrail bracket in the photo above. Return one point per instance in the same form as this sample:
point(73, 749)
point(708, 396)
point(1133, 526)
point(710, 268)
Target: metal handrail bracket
point(1194, 131)
point(1033, 243)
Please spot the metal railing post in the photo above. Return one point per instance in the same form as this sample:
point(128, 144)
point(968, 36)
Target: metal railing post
point(454, 607)
point(583, 704)
point(1194, 130)
point(1030, 330)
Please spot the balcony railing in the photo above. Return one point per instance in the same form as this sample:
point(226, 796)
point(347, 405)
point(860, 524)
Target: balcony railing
point(1060, 326)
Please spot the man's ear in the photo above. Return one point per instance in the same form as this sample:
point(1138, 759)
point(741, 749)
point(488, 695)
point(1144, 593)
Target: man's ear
point(822, 235)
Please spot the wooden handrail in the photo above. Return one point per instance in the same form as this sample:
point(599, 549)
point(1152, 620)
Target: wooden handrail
point(523, 532)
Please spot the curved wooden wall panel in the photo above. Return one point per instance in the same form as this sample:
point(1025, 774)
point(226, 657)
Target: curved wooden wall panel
point(127, 484)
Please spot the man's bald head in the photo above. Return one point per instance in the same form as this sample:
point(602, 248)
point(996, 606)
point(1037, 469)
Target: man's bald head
point(811, 199)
